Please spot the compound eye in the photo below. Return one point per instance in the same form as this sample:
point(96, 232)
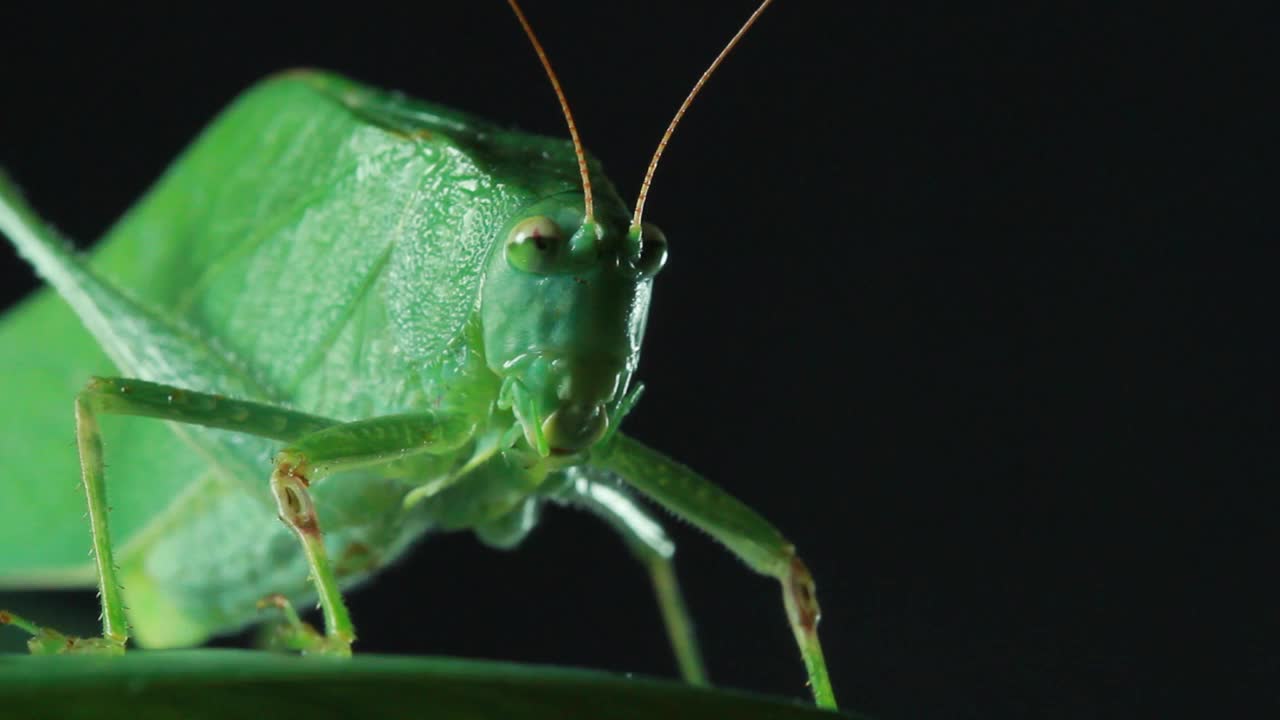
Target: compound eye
point(653, 252)
point(535, 245)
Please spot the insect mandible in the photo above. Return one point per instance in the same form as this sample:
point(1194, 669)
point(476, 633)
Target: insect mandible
point(492, 296)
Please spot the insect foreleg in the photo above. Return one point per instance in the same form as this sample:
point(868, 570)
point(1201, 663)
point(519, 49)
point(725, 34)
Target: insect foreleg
point(319, 447)
point(740, 528)
point(115, 396)
point(597, 493)
point(343, 447)
point(294, 634)
point(136, 397)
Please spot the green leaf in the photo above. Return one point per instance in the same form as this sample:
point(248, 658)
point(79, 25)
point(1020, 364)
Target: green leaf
point(194, 684)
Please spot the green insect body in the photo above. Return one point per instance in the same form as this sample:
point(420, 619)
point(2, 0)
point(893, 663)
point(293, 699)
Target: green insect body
point(402, 296)
point(394, 325)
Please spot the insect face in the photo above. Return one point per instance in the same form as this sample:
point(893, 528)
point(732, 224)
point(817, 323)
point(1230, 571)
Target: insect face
point(563, 308)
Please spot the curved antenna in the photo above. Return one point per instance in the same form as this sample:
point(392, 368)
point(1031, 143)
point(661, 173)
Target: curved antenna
point(666, 136)
point(564, 105)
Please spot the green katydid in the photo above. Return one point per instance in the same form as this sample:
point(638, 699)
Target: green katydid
point(469, 359)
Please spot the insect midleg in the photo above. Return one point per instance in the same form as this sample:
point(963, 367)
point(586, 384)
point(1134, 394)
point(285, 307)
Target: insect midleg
point(741, 529)
point(649, 543)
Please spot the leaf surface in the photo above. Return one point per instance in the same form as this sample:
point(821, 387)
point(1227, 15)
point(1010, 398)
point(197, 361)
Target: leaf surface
point(197, 684)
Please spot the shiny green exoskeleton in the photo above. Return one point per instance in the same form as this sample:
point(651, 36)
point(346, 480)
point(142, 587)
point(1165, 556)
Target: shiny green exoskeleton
point(416, 302)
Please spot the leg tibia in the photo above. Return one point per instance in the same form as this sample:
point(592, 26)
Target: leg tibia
point(675, 616)
point(293, 502)
point(800, 598)
point(115, 627)
point(645, 538)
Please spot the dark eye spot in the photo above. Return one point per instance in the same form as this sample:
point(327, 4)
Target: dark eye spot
point(653, 252)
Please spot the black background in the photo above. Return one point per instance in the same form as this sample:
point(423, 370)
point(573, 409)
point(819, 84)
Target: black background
point(974, 304)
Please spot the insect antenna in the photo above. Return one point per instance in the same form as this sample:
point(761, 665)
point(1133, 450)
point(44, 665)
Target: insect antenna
point(564, 105)
point(697, 87)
